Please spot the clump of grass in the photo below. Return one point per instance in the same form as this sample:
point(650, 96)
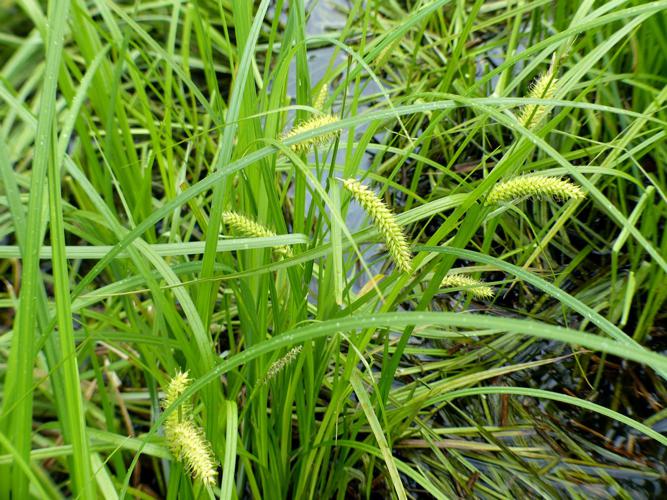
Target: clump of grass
point(385, 220)
point(531, 115)
point(185, 440)
point(248, 227)
point(312, 124)
point(534, 186)
point(309, 436)
point(474, 287)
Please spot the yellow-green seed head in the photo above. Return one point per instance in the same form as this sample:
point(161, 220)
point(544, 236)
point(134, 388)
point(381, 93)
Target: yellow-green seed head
point(321, 97)
point(185, 440)
point(385, 221)
point(176, 387)
point(248, 227)
point(474, 287)
point(544, 88)
point(312, 124)
point(534, 186)
point(282, 363)
point(392, 50)
point(188, 444)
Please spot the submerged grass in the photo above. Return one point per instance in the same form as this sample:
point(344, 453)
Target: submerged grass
point(144, 171)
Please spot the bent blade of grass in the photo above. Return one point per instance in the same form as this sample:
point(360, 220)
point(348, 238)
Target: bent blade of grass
point(85, 252)
point(374, 423)
point(100, 441)
point(77, 101)
point(17, 460)
point(103, 478)
point(563, 398)
point(229, 464)
point(576, 305)
point(421, 394)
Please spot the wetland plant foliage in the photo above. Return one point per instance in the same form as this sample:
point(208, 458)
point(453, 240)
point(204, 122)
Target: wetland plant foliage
point(320, 249)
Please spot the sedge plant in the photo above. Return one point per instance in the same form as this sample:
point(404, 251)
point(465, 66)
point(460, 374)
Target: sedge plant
point(145, 172)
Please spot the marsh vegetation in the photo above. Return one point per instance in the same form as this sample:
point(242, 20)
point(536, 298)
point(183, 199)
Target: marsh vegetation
point(290, 249)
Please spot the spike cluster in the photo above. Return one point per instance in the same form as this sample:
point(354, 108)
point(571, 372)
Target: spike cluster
point(535, 186)
point(282, 363)
point(475, 287)
point(392, 49)
point(185, 440)
point(188, 443)
point(544, 88)
point(176, 387)
point(385, 221)
point(248, 227)
point(312, 124)
point(321, 97)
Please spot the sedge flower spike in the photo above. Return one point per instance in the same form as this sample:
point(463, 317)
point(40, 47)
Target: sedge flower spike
point(186, 441)
point(385, 221)
point(391, 50)
point(321, 97)
point(176, 387)
point(312, 124)
point(282, 363)
point(474, 287)
point(534, 186)
point(544, 88)
point(248, 227)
